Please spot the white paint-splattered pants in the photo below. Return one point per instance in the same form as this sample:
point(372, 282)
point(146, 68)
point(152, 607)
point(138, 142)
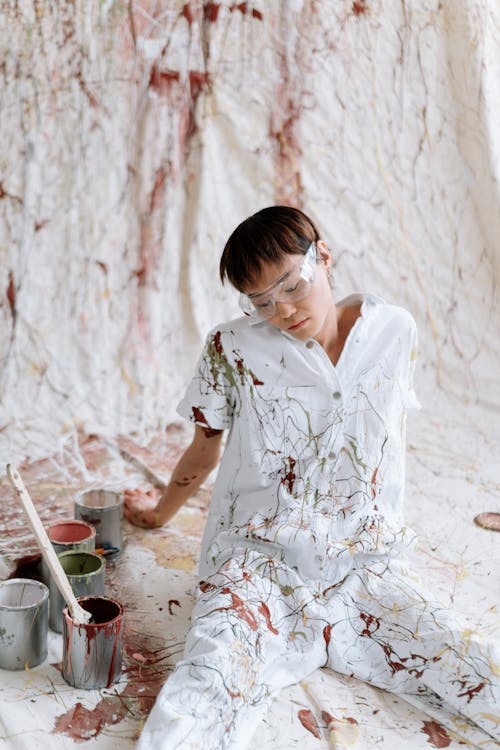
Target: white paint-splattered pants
point(256, 628)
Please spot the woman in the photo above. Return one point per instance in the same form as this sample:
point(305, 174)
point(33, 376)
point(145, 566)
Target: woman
point(302, 562)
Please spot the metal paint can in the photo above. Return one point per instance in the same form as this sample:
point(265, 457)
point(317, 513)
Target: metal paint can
point(24, 613)
point(92, 652)
point(104, 510)
point(85, 572)
point(69, 535)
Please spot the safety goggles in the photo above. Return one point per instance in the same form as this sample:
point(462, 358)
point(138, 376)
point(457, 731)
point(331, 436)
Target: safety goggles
point(293, 286)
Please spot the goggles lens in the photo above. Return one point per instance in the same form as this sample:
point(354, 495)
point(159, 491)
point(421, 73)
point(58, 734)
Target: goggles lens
point(295, 286)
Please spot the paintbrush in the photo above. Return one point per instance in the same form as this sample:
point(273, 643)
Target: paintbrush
point(79, 615)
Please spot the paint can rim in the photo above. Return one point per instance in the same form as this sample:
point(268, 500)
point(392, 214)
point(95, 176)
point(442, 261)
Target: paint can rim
point(101, 508)
point(81, 600)
point(42, 588)
point(73, 553)
point(71, 522)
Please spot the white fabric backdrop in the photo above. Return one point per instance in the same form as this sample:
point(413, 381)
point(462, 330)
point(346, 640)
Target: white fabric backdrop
point(135, 136)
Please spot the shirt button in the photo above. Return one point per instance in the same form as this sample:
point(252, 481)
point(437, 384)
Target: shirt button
point(310, 344)
point(337, 394)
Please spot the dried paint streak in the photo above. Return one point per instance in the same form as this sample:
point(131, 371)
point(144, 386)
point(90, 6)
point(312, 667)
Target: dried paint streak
point(372, 624)
point(162, 81)
point(171, 603)
point(471, 692)
point(359, 7)
point(206, 586)
point(11, 297)
point(287, 107)
point(190, 12)
point(240, 608)
point(198, 82)
point(243, 8)
point(82, 723)
point(211, 12)
point(146, 675)
point(5, 194)
point(437, 734)
point(264, 610)
point(149, 245)
point(327, 634)
point(308, 721)
point(289, 479)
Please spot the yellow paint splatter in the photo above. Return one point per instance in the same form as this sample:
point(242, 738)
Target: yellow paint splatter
point(132, 385)
point(170, 553)
point(181, 563)
point(343, 733)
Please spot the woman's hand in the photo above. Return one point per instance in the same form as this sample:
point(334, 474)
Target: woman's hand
point(141, 508)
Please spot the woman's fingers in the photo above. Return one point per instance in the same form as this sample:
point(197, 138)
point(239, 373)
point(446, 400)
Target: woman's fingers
point(140, 507)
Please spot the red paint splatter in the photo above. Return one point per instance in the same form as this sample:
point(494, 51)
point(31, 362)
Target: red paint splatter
point(81, 723)
point(216, 342)
point(41, 224)
point(437, 734)
point(264, 610)
point(308, 721)
point(241, 609)
point(395, 666)
point(359, 7)
point(198, 415)
point(11, 296)
point(327, 718)
point(145, 678)
point(255, 379)
point(158, 188)
point(471, 692)
point(5, 194)
point(190, 12)
point(171, 603)
point(211, 11)
point(149, 251)
point(198, 81)
point(206, 586)
point(327, 630)
point(161, 81)
point(369, 621)
point(242, 7)
point(290, 477)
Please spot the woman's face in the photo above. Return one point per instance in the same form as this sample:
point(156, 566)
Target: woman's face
point(310, 316)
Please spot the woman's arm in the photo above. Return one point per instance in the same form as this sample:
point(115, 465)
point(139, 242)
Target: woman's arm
point(146, 510)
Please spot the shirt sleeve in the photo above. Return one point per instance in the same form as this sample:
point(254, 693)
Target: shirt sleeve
point(412, 402)
point(209, 399)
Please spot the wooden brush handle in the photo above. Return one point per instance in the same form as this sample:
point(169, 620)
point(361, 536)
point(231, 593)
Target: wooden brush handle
point(78, 614)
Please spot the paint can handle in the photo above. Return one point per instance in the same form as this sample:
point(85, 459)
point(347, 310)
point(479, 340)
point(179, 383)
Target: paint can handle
point(78, 614)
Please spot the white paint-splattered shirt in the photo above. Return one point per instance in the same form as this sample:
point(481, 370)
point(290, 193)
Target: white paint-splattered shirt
point(314, 466)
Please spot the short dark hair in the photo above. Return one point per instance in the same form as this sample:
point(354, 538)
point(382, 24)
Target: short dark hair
point(264, 238)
